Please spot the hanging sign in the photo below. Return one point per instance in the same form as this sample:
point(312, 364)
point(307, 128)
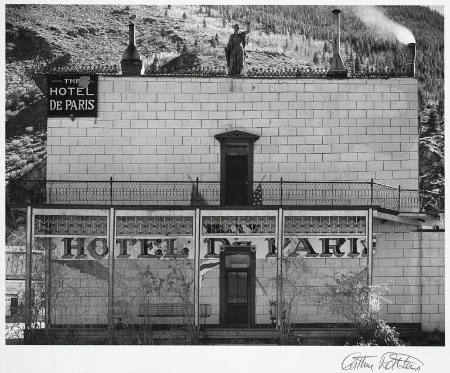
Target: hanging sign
point(73, 95)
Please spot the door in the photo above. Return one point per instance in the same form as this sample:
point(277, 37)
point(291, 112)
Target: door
point(237, 297)
point(236, 176)
point(236, 167)
point(237, 286)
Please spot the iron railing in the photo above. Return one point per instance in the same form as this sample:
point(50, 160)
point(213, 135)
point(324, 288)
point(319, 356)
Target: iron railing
point(213, 193)
point(62, 64)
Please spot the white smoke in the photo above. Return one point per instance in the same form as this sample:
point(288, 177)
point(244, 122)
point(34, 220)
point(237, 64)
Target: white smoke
point(376, 20)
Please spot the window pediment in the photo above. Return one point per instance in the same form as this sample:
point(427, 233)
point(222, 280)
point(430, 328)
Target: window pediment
point(236, 135)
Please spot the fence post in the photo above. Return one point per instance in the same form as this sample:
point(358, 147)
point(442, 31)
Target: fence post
point(281, 191)
point(110, 190)
point(421, 202)
point(48, 191)
point(197, 193)
point(332, 194)
point(399, 198)
point(371, 192)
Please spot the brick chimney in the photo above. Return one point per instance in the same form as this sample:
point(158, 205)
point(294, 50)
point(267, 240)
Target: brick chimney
point(131, 60)
point(337, 68)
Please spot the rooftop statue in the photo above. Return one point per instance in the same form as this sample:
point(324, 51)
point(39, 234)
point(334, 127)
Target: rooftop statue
point(235, 50)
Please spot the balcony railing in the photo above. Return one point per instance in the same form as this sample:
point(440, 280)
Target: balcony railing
point(211, 193)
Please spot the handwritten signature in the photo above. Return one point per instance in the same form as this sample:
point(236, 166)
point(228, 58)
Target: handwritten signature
point(389, 361)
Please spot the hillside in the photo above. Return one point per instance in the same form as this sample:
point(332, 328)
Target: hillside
point(281, 37)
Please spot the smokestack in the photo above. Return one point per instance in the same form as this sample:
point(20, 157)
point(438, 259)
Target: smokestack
point(131, 34)
point(131, 60)
point(337, 69)
point(411, 60)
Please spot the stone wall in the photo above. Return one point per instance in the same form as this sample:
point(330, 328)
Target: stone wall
point(79, 292)
point(162, 128)
point(411, 264)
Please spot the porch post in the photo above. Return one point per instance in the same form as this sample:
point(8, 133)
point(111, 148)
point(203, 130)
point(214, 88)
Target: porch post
point(48, 290)
point(369, 246)
point(28, 268)
point(279, 282)
point(196, 267)
point(111, 245)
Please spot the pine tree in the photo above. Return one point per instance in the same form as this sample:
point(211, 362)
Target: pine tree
point(166, 13)
point(316, 58)
point(422, 99)
point(184, 15)
point(351, 61)
point(224, 22)
point(440, 108)
point(204, 22)
point(397, 63)
point(432, 123)
point(358, 64)
point(217, 39)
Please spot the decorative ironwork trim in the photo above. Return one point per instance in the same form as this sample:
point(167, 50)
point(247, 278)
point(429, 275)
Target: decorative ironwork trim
point(239, 225)
point(154, 225)
point(315, 225)
point(50, 225)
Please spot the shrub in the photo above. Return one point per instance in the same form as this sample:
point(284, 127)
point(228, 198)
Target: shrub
point(27, 140)
point(361, 304)
point(16, 144)
point(13, 159)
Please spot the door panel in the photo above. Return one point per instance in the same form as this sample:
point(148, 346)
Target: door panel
point(236, 179)
point(237, 297)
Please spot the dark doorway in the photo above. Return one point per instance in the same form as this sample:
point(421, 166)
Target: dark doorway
point(236, 176)
point(237, 286)
point(236, 167)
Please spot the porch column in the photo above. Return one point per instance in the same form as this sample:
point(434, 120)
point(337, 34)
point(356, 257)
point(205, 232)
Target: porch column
point(279, 245)
point(369, 246)
point(28, 269)
point(111, 245)
point(196, 267)
point(48, 289)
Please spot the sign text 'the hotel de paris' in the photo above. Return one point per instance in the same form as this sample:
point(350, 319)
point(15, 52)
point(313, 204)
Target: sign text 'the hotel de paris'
point(72, 95)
